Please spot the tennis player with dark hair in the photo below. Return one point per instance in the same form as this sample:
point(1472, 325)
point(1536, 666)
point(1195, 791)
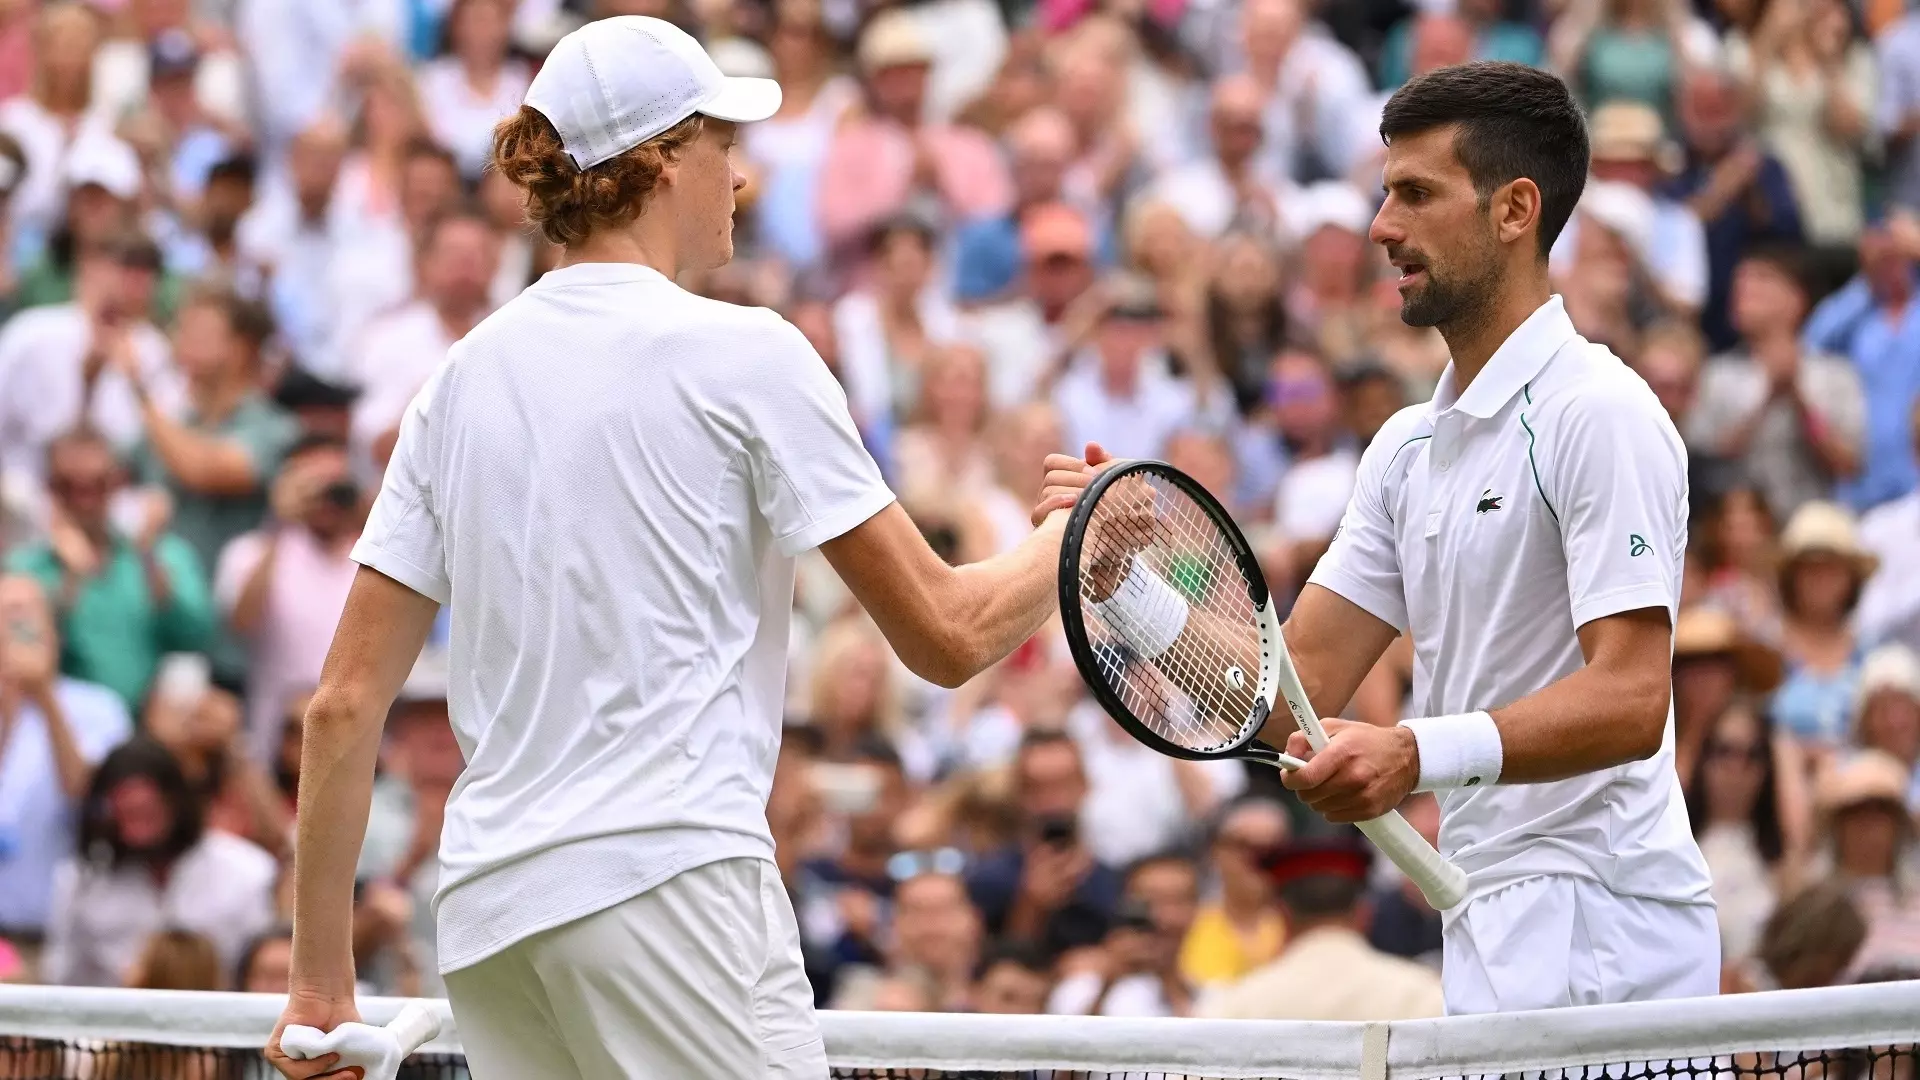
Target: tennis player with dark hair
point(608, 482)
point(1526, 528)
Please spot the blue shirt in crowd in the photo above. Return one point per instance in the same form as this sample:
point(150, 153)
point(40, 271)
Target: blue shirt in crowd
point(1885, 349)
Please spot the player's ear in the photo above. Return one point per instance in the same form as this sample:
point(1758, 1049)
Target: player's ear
point(1516, 209)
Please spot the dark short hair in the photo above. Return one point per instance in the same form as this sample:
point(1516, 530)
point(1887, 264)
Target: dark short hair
point(239, 167)
point(421, 147)
point(1514, 121)
point(1787, 261)
point(452, 215)
point(249, 319)
point(139, 758)
point(1021, 954)
point(314, 440)
point(1322, 896)
point(276, 932)
point(1163, 857)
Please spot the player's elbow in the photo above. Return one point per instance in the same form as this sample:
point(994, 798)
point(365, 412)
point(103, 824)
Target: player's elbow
point(947, 659)
point(1642, 716)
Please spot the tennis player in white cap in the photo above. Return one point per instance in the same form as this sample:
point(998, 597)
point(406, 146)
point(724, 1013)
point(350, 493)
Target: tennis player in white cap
point(608, 481)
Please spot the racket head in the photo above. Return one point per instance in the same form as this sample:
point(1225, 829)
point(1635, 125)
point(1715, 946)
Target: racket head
point(1187, 538)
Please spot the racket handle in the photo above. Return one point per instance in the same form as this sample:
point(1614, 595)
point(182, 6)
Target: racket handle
point(1443, 883)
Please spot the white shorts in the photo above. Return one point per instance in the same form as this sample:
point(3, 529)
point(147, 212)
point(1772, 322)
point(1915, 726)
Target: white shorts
point(1548, 942)
point(699, 978)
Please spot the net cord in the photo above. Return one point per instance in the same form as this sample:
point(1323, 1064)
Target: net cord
point(1878, 1014)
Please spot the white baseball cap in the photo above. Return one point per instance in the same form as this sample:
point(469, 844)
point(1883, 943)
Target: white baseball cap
point(104, 160)
point(615, 83)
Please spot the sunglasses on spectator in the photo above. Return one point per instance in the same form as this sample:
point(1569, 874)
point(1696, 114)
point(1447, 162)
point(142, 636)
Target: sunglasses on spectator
point(907, 865)
point(80, 485)
point(1292, 391)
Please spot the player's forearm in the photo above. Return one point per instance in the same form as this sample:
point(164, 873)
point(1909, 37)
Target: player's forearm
point(340, 744)
point(992, 606)
point(1595, 718)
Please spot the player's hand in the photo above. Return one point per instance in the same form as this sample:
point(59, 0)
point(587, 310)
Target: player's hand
point(315, 1009)
point(1067, 476)
point(1363, 772)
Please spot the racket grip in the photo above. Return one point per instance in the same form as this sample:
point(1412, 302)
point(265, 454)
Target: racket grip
point(1443, 883)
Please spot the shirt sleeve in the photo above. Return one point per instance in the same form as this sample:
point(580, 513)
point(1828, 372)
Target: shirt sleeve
point(1363, 561)
point(403, 539)
point(813, 478)
point(1615, 478)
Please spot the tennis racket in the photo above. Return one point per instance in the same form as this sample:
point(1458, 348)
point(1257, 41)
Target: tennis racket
point(1170, 623)
point(378, 1050)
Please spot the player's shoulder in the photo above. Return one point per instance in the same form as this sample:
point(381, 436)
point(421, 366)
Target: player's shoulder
point(1587, 385)
point(1402, 430)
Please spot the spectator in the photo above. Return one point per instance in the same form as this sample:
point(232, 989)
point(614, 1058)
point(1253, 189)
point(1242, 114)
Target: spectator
point(295, 231)
point(266, 963)
point(166, 121)
point(1234, 188)
point(1492, 37)
point(1327, 304)
point(217, 458)
point(1715, 664)
point(888, 327)
point(1671, 355)
point(887, 159)
point(320, 407)
point(1737, 556)
point(1874, 322)
point(1863, 802)
point(1046, 888)
point(1623, 50)
point(176, 960)
point(125, 599)
point(1011, 980)
point(1629, 145)
point(1314, 88)
point(1890, 602)
point(1139, 971)
point(458, 256)
point(1812, 938)
point(200, 725)
point(214, 252)
point(1319, 479)
point(1327, 970)
point(1737, 190)
point(1051, 314)
point(144, 861)
point(936, 931)
point(282, 587)
point(988, 254)
point(1887, 716)
point(1121, 390)
point(1238, 928)
point(475, 81)
point(1897, 112)
point(58, 730)
point(842, 898)
point(301, 57)
point(1791, 418)
point(138, 66)
point(1814, 83)
point(791, 147)
point(1246, 316)
point(942, 449)
point(1821, 572)
point(66, 365)
point(56, 111)
point(1744, 825)
point(103, 187)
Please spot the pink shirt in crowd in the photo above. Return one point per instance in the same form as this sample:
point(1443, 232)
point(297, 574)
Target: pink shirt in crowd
point(305, 597)
point(868, 176)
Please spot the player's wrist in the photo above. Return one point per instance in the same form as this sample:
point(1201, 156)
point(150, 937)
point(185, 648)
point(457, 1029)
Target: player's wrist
point(1456, 751)
point(1148, 612)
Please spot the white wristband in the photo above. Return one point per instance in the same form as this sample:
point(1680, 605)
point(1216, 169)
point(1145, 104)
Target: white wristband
point(1457, 751)
point(1147, 612)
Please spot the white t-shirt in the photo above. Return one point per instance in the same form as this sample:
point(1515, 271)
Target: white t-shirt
point(461, 117)
point(1138, 424)
point(43, 354)
point(608, 482)
point(1491, 526)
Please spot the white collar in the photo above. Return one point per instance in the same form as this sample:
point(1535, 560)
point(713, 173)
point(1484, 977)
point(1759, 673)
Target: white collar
point(1512, 366)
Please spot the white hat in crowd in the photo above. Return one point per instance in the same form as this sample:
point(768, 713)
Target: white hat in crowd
point(613, 84)
point(106, 161)
point(1332, 203)
point(1891, 667)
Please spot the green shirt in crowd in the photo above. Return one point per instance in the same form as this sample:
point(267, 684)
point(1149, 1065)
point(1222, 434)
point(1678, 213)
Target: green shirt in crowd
point(114, 633)
point(207, 522)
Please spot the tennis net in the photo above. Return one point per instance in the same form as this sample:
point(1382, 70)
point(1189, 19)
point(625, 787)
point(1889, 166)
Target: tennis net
point(1869, 1032)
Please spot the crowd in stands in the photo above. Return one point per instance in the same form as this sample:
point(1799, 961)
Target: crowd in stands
point(236, 236)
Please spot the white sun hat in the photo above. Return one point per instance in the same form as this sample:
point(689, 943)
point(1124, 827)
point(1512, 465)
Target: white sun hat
point(613, 84)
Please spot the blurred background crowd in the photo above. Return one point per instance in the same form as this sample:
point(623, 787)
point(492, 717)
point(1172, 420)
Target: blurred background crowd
point(237, 235)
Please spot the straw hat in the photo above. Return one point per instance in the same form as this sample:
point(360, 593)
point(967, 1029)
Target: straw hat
point(1826, 528)
point(893, 39)
point(1865, 776)
point(1707, 632)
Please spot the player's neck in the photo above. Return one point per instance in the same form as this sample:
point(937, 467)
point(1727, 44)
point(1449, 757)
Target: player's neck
point(1472, 341)
point(649, 242)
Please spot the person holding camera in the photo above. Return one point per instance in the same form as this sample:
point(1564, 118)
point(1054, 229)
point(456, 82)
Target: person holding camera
point(283, 586)
point(1047, 888)
point(1138, 973)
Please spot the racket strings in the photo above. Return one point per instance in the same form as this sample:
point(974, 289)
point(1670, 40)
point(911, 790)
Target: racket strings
point(1199, 692)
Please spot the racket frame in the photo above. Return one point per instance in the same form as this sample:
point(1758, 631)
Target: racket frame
point(1442, 882)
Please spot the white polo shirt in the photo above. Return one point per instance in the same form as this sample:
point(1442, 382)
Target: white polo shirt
point(608, 481)
point(1490, 525)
